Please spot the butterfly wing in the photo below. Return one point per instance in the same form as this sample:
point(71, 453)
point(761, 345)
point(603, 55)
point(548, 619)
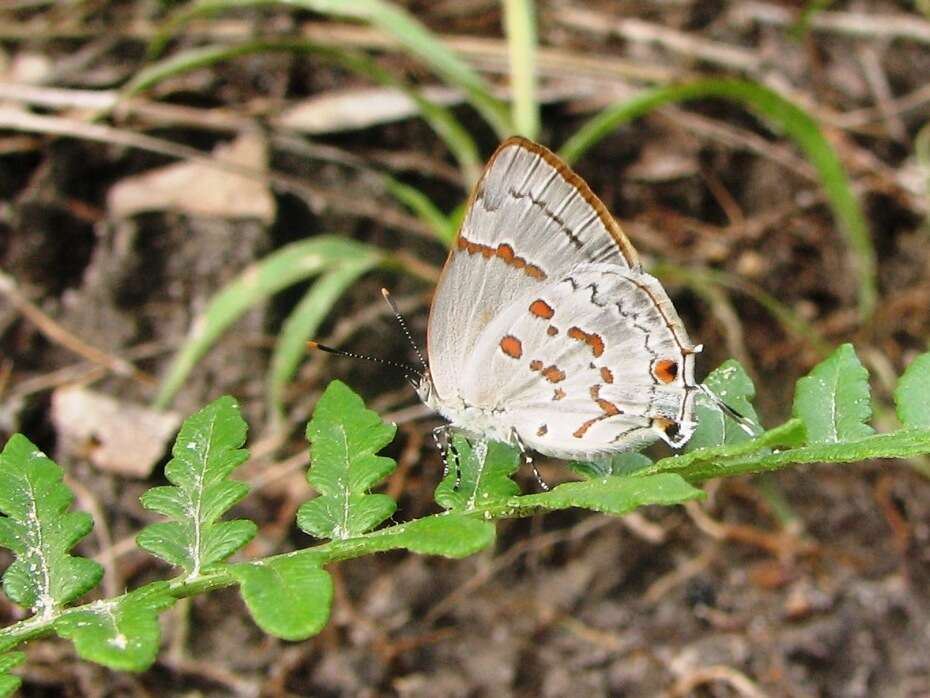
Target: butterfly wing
point(594, 362)
point(529, 220)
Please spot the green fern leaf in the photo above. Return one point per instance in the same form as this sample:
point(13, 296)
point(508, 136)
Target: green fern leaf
point(732, 385)
point(833, 400)
point(288, 597)
point(449, 535)
point(615, 495)
point(40, 530)
point(479, 474)
point(8, 682)
point(205, 453)
point(912, 394)
point(344, 440)
point(121, 633)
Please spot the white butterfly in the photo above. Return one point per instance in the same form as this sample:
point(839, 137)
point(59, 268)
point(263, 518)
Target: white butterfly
point(545, 332)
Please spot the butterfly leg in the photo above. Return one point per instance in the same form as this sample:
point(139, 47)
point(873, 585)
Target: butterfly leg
point(446, 448)
point(528, 460)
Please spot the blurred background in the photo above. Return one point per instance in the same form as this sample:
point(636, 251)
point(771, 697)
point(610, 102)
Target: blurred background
point(189, 191)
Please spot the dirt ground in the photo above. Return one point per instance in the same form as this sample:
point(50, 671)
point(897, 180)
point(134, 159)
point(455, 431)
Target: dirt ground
point(811, 582)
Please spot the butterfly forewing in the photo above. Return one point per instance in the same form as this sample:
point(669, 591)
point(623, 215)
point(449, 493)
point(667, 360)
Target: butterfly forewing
point(529, 219)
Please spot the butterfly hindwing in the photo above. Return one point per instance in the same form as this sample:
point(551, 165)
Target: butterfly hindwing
point(594, 362)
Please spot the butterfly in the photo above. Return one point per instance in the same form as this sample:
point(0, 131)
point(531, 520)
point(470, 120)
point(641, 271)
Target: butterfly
point(545, 332)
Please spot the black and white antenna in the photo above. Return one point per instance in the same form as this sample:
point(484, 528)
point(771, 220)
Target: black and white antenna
point(409, 371)
point(403, 326)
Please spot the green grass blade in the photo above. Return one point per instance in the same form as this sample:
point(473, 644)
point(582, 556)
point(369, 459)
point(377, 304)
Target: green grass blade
point(304, 321)
point(288, 265)
point(441, 120)
point(520, 28)
point(781, 114)
point(696, 277)
point(394, 21)
point(424, 208)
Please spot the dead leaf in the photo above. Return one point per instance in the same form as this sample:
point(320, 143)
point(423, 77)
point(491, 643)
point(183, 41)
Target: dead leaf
point(350, 110)
point(198, 189)
point(115, 436)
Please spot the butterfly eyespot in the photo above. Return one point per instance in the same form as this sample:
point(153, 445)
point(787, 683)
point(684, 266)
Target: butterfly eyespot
point(666, 370)
point(511, 346)
point(669, 427)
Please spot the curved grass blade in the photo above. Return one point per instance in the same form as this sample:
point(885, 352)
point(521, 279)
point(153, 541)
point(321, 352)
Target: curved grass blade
point(121, 633)
point(205, 453)
point(520, 28)
point(441, 120)
point(344, 440)
point(280, 269)
point(912, 394)
point(288, 597)
point(394, 21)
point(305, 320)
point(790, 320)
point(479, 474)
point(426, 210)
point(40, 531)
point(782, 115)
point(834, 400)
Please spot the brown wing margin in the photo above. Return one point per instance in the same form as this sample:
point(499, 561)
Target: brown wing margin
point(571, 177)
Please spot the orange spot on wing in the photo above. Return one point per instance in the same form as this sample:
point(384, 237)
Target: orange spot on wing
point(606, 375)
point(609, 408)
point(541, 309)
point(535, 365)
point(595, 391)
point(505, 253)
point(552, 330)
point(553, 374)
point(591, 339)
point(583, 429)
point(511, 346)
point(666, 370)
